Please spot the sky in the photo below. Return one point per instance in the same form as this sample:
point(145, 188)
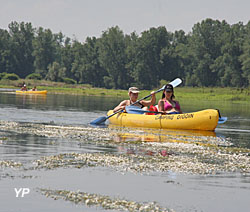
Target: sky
point(80, 19)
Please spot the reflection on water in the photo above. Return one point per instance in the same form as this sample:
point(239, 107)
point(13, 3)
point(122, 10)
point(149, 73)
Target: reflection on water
point(57, 102)
point(56, 125)
point(229, 109)
point(160, 135)
point(32, 100)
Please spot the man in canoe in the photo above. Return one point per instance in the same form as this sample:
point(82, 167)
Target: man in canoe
point(167, 104)
point(133, 93)
point(24, 88)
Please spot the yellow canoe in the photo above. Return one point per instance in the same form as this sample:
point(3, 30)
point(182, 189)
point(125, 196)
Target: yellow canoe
point(32, 92)
point(201, 120)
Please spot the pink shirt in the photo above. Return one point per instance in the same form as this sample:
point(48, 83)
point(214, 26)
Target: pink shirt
point(168, 106)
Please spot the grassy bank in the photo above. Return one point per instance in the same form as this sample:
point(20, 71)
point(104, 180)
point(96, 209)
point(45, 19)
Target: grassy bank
point(182, 93)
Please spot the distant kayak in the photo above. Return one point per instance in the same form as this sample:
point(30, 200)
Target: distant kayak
point(32, 92)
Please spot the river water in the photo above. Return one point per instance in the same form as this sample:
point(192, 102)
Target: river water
point(39, 127)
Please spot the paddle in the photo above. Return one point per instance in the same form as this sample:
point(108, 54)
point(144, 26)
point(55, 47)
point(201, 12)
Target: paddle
point(221, 120)
point(136, 110)
point(101, 120)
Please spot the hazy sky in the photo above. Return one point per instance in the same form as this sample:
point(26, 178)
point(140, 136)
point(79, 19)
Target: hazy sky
point(82, 18)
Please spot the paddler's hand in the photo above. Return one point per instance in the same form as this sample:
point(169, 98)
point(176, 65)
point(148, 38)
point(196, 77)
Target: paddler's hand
point(119, 108)
point(153, 98)
point(123, 108)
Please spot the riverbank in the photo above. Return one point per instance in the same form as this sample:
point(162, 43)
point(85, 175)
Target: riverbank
point(181, 93)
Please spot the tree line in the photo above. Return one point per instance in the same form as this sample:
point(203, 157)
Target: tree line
point(214, 53)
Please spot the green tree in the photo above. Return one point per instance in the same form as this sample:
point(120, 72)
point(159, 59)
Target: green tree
point(131, 42)
point(11, 76)
point(148, 70)
point(77, 66)
point(7, 59)
point(112, 57)
point(245, 56)
point(55, 72)
point(21, 46)
point(227, 66)
point(205, 45)
point(92, 72)
point(66, 56)
point(45, 49)
point(171, 58)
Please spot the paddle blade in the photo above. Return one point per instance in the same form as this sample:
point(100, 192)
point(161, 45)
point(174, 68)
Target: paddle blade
point(222, 120)
point(176, 82)
point(100, 120)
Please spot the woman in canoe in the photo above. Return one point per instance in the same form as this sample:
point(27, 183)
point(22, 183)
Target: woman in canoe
point(133, 95)
point(34, 88)
point(167, 104)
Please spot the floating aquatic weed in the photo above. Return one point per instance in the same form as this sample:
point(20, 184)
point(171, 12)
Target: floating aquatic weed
point(6, 175)
point(78, 133)
point(144, 164)
point(105, 202)
point(110, 135)
point(217, 158)
point(2, 139)
point(10, 164)
point(204, 154)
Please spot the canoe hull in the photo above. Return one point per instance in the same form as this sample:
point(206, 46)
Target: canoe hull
point(201, 120)
point(32, 92)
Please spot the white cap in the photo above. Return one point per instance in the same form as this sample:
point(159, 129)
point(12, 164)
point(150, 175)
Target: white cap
point(133, 90)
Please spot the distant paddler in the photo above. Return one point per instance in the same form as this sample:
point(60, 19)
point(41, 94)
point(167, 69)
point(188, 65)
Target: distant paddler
point(24, 87)
point(34, 88)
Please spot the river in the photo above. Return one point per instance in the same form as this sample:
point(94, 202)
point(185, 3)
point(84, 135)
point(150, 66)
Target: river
point(52, 156)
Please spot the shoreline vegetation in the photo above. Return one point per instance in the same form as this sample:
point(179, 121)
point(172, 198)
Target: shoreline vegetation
point(214, 54)
point(241, 95)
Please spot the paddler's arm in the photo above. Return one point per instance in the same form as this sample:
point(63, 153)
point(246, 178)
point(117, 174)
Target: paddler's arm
point(121, 106)
point(150, 102)
point(161, 106)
